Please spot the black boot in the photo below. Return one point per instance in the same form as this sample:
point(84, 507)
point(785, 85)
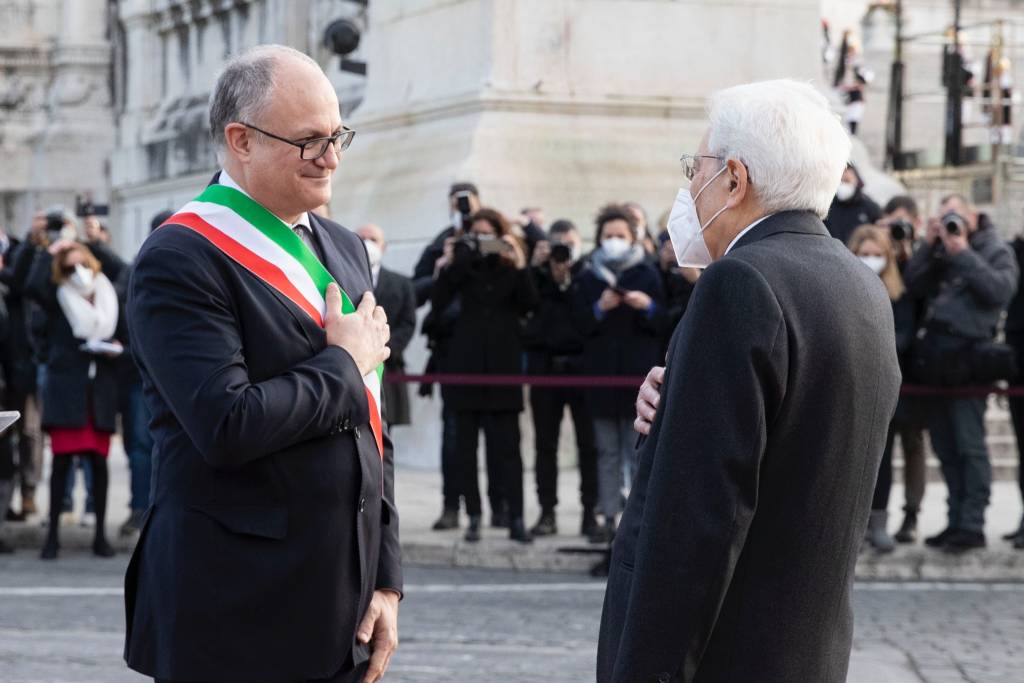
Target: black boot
point(546, 525)
point(473, 532)
point(499, 517)
point(517, 531)
point(100, 546)
point(908, 530)
point(604, 534)
point(58, 477)
point(588, 525)
point(448, 520)
point(1014, 535)
point(940, 539)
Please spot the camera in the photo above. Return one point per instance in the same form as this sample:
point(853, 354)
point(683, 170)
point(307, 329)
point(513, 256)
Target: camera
point(901, 230)
point(561, 253)
point(54, 221)
point(464, 207)
point(480, 246)
point(954, 224)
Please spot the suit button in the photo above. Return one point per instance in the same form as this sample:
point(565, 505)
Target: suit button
point(362, 504)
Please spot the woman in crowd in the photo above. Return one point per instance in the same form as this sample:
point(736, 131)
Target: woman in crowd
point(487, 270)
point(621, 313)
point(875, 248)
point(79, 397)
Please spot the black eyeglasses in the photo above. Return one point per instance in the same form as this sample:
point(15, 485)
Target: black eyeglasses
point(311, 150)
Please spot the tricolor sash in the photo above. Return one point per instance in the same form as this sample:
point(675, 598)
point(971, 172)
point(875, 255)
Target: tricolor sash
point(265, 245)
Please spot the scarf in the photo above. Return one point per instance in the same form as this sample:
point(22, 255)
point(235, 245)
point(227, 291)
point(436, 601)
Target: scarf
point(94, 320)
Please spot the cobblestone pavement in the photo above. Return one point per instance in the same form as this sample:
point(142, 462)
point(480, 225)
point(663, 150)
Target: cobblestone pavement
point(63, 621)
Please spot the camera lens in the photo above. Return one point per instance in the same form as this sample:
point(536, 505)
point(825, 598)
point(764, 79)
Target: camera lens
point(899, 232)
point(560, 253)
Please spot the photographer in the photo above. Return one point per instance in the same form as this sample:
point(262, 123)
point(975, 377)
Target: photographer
point(1015, 338)
point(902, 220)
point(438, 326)
point(486, 270)
point(620, 310)
point(555, 347)
point(968, 275)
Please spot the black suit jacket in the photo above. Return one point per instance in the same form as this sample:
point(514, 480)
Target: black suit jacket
point(735, 556)
point(273, 517)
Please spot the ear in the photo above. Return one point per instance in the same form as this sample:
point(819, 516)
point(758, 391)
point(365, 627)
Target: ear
point(739, 182)
point(238, 140)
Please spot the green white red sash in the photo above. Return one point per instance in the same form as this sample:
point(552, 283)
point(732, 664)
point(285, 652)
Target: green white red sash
point(265, 245)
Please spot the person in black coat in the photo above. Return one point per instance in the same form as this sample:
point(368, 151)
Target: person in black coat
point(438, 325)
point(80, 395)
point(620, 311)
point(851, 208)
point(735, 556)
point(1015, 338)
point(678, 284)
point(488, 273)
point(272, 535)
point(397, 296)
point(554, 346)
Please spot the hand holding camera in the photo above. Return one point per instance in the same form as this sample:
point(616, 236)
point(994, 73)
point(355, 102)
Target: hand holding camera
point(954, 234)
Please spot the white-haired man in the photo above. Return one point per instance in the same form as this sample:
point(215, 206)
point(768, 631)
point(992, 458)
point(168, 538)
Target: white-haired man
point(735, 554)
point(270, 550)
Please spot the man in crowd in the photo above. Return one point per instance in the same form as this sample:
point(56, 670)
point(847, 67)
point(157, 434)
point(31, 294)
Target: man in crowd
point(756, 475)
point(554, 346)
point(270, 551)
point(851, 208)
point(397, 296)
point(1015, 338)
point(968, 276)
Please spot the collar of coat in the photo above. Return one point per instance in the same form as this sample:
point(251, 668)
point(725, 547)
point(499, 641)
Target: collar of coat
point(795, 222)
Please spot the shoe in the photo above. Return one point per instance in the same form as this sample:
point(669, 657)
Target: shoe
point(908, 530)
point(12, 516)
point(499, 519)
point(545, 526)
point(6, 548)
point(1018, 543)
point(604, 534)
point(132, 525)
point(588, 525)
point(962, 541)
point(101, 548)
point(517, 531)
point(878, 536)
point(1013, 535)
point(88, 520)
point(940, 539)
point(448, 520)
point(50, 549)
point(28, 504)
point(473, 532)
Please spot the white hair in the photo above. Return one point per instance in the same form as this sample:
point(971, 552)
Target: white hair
point(245, 86)
point(790, 140)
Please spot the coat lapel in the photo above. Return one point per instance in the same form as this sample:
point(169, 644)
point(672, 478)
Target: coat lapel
point(801, 222)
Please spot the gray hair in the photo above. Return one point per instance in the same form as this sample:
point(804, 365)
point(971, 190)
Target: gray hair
point(793, 145)
point(245, 86)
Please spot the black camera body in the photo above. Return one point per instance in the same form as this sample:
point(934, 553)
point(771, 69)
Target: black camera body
point(464, 207)
point(54, 221)
point(474, 246)
point(561, 253)
point(901, 230)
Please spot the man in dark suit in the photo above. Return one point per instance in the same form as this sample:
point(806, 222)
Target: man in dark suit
point(397, 296)
point(270, 551)
point(735, 556)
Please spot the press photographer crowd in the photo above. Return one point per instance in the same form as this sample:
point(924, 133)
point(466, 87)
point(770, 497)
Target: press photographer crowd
point(515, 297)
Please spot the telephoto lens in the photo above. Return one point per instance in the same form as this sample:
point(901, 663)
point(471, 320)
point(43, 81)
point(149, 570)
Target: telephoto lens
point(954, 224)
point(900, 230)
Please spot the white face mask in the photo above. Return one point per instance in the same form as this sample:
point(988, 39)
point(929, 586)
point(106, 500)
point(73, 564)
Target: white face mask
point(846, 191)
point(615, 247)
point(875, 263)
point(686, 231)
point(374, 252)
point(82, 279)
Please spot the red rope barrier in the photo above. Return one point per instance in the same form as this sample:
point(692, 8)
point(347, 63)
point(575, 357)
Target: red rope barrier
point(625, 382)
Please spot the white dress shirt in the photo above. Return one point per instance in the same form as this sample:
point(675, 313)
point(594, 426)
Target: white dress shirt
point(301, 227)
point(745, 231)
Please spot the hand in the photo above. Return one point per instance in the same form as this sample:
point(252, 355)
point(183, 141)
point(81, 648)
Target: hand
point(446, 258)
point(364, 334)
point(955, 243)
point(637, 300)
point(514, 254)
point(541, 253)
point(379, 630)
point(609, 300)
point(934, 232)
point(59, 246)
point(647, 400)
